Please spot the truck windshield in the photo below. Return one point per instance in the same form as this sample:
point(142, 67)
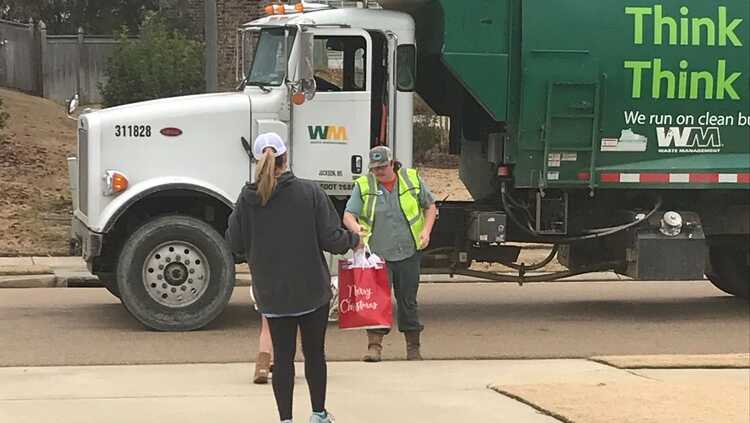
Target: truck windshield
point(270, 63)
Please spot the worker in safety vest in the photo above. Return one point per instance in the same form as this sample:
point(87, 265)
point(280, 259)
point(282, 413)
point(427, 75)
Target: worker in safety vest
point(395, 210)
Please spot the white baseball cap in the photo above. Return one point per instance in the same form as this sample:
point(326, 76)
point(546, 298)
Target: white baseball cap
point(267, 140)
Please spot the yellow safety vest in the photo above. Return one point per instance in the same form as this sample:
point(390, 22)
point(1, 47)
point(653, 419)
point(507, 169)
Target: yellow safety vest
point(409, 189)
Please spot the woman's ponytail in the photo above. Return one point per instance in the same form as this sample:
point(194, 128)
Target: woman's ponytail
point(265, 175)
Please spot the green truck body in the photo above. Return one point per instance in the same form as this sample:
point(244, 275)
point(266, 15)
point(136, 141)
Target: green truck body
point(582, 92)
point(598, 126)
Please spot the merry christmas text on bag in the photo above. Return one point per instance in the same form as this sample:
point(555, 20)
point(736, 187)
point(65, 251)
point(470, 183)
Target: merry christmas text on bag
point(364, 293)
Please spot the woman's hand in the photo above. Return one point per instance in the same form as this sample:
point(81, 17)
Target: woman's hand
point(351, 223)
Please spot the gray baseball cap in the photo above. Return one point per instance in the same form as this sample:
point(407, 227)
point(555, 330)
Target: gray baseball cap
point(380, 156)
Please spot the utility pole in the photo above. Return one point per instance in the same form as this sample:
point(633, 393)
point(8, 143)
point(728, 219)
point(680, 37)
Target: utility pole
point(212, 46)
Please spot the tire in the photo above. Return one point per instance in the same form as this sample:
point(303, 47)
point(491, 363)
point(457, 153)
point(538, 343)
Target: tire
point(175, 273)
point(729, 269)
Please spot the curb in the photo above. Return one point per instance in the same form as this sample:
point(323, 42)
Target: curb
point(675, 361)
point(77, 280)
point(242, 280)
point(22, 270)
point(28, 281)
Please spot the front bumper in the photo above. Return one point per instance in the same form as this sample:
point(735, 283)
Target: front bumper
point(90, 241)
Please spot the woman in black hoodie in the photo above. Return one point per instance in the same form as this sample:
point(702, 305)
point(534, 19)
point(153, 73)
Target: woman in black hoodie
point(282, 225)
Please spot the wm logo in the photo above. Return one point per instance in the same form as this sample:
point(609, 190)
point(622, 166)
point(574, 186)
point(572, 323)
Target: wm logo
point(327, 133)
point(689, 137)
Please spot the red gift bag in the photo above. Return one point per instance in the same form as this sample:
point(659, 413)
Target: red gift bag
point(364, 297)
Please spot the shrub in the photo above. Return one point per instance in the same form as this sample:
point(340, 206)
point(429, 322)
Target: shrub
point(160, 63)
point(428, 135)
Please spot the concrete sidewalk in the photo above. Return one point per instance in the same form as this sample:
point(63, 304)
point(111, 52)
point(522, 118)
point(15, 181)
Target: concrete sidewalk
point(431, 391)
point(61, 272)
point(436, 392)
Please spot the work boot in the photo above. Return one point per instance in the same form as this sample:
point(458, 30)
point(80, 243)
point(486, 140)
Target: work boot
point(262, 368)
point(374, 348)
point(412, 346)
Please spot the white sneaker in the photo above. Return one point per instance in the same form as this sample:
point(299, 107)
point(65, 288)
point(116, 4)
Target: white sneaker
point(328, 418)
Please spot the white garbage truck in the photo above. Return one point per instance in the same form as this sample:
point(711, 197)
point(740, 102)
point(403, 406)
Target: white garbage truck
point(157, 180)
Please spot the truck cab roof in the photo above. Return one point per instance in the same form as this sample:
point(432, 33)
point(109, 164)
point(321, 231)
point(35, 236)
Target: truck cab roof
point(374, 19)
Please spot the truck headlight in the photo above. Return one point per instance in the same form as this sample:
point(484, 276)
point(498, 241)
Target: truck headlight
point(115, 182)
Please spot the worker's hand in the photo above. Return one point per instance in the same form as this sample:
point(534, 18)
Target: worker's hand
point(424, 240)
point(362, 236)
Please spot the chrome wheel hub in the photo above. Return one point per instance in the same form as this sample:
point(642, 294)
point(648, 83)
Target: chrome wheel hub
point(176, 274)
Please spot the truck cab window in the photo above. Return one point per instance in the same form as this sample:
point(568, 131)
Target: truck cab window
point(340, 64)
point(269, 65)
point(359, 69)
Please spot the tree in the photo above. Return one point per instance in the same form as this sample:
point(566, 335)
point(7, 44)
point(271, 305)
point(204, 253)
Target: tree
point(94, 16)
point(160, 63)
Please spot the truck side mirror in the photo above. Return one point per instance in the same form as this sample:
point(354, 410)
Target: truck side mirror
point(304, 74)
point(305, 64)
point(247, 42)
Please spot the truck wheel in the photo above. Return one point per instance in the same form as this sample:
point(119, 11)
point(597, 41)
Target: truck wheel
point(729, 270)
point(175, 273)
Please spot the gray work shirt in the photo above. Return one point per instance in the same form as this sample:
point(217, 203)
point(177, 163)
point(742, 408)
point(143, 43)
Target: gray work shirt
point(391, 236)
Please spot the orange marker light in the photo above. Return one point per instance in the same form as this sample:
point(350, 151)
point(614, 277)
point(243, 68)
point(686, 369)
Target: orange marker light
point(299, 7)
point(279, 9)
point(298, 99)
point(119, 183)
point(269, 10)
point(115, 182)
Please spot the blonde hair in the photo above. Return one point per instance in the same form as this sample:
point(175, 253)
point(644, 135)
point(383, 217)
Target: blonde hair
point(265, 174)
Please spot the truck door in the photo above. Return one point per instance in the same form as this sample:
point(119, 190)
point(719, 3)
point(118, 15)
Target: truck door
point(331, 133)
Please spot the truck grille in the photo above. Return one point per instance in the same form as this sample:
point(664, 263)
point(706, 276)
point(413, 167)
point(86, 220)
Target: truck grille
point(83, 171)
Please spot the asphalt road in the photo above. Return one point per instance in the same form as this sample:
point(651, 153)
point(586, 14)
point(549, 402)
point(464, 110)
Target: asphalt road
point(82, 326)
